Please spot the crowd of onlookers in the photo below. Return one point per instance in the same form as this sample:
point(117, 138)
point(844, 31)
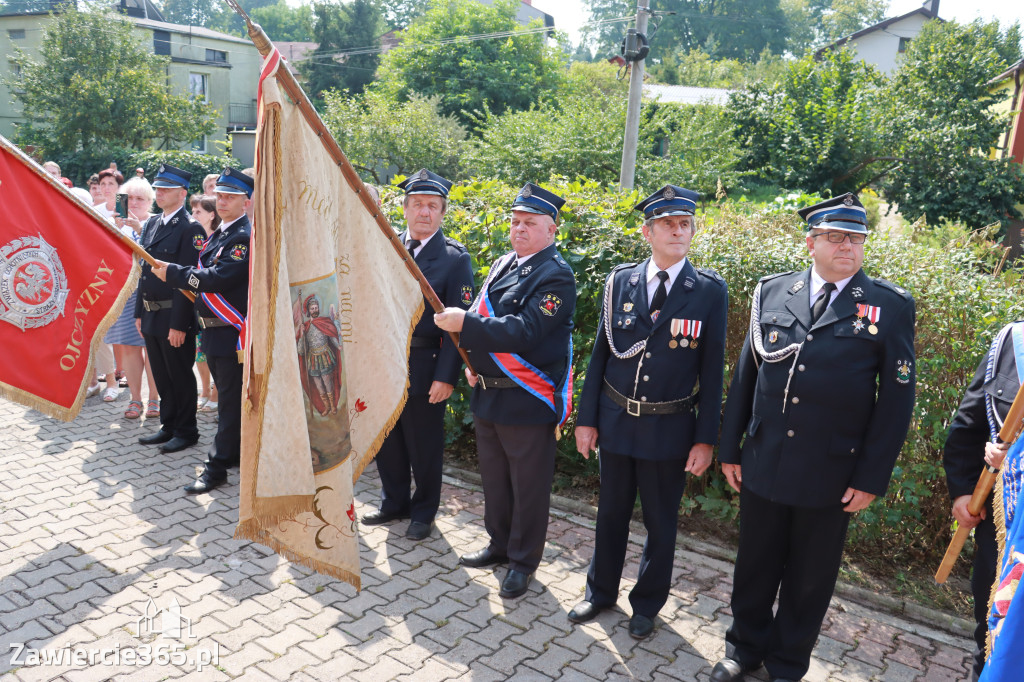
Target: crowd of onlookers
point(120, 361)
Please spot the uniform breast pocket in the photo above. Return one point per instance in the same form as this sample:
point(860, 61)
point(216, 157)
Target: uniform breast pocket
point(623, 320)
point(511, 299)
point(778, 329)
point(853, 328)
point(1003, 389)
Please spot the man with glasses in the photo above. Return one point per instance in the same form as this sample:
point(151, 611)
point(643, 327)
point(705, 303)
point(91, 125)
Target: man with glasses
point(823, 393)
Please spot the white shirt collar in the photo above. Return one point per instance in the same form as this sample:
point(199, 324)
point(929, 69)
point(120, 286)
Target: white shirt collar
point(423, 242)
point(224, 226)
point(817, 282)
point(673, 272)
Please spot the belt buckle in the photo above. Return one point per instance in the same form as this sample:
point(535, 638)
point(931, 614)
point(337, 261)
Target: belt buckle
point(145, 304)
point(632, 407)
point(202, 323)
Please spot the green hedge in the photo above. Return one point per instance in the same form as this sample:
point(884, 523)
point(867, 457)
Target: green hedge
point(960, 306)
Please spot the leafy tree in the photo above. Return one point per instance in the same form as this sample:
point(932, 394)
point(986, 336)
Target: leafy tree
point(817, 128)
point(739, 29)
point(579, 134)
point(383, 138)
point(508, 72)
point(208, 13)
point(814, 23)
point(939, 121)
point(398, 14)
point(96, 83)
point(697, 68)
point(338, 28)
point(284, 23)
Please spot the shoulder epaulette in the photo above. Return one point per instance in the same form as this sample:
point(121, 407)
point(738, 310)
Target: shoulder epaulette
point(889, 285)
point(456, 244)
point(623, 266)
point(711, 274)
point(777, 274)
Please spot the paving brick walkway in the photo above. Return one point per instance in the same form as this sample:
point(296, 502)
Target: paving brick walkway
point(93, 526)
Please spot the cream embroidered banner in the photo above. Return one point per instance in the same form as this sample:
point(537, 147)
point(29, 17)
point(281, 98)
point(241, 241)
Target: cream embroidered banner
point(331, 313)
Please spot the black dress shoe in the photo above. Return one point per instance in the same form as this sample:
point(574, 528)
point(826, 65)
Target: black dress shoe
point(515, 584)
point(481, 558)
point(417, 530)
point(204, 484)
point(640, 627)
point(727, 670)
point(160, 436)
point(377, 517)
point(178, 443)
point(584, 611)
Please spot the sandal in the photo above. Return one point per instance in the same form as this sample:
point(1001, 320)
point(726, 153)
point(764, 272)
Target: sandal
point(209, 407)
point(134, 410)
point(110, 395)
point(202, 401)
point(153, 408)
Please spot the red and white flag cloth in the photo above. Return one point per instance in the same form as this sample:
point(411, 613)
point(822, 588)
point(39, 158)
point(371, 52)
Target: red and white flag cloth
point(65, 274)
point(331, 313)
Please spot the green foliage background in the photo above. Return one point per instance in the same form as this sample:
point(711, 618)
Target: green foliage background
point(960, 306)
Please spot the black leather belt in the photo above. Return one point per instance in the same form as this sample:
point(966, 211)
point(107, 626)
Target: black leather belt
point(425, 342)
point(635, 408)
point(207, 322)
point(497, 382)
point(150, 306)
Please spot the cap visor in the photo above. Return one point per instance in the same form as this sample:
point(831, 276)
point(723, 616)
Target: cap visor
point(842, 226)
point(223, 189)
point(530, 209)
point(164, 184)
point(674, 211)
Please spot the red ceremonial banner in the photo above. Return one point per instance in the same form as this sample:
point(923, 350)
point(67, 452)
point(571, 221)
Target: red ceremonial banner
point(65, 274)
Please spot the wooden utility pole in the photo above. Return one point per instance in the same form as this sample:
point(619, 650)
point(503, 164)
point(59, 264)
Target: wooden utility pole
point(635, 55)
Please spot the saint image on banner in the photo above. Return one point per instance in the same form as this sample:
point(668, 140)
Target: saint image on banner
point(318, 343)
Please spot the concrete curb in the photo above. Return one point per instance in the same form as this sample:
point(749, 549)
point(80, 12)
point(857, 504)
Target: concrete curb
point(941, 620)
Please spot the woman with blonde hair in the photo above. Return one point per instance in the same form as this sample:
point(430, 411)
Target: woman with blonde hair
point(128, 343)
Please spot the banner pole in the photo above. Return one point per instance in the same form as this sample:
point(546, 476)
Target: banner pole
point(1011, 430)
point(298, 96)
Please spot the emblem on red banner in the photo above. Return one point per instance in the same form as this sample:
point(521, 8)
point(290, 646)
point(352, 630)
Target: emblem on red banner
point(33, 285)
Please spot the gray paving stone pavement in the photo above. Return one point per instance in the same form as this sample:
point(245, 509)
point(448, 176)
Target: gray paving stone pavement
point(93, 526)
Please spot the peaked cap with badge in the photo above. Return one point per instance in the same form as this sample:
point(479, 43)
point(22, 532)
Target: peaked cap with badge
point(426, 182)
point(844, 212)
point(669, 200)
point(234, 181)
point(169, 177)
point(534, 199)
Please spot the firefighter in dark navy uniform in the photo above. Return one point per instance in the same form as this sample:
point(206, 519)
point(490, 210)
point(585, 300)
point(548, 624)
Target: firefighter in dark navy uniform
point(823, 393)
point(165, 315)
point(652, 401)
point(417, 441)
point(970, 445)
point(518, 333)
point(222, 280)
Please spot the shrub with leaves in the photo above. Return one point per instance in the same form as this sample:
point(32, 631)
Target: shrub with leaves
point(960, 306)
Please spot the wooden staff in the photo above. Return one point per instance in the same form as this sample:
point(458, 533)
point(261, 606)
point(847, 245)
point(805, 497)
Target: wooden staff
point(287, 81)
point(1008, 434)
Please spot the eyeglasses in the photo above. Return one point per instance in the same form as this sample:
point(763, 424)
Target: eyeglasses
point(839, 237)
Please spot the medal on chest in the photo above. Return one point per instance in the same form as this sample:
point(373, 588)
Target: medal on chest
point(872, 313)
